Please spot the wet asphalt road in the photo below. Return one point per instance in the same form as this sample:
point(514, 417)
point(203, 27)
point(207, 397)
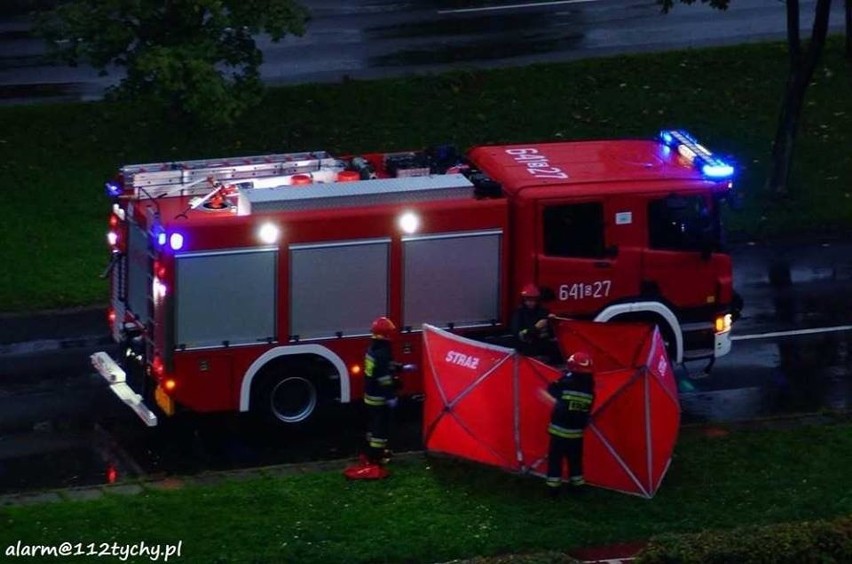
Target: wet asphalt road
point(59, 426)
point(365, 39)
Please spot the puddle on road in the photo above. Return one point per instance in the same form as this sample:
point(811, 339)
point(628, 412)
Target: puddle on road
point(802, 375)
point(67, 468)
point(724, 405)
point(792, 374)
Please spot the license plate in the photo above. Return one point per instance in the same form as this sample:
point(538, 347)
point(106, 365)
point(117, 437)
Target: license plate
point(166, 403)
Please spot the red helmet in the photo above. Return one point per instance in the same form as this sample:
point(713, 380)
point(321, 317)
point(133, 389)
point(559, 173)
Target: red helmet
point(580, 361)
point(530, 291)
point(383, 328)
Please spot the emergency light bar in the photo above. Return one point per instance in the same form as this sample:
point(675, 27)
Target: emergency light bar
point(690, 149)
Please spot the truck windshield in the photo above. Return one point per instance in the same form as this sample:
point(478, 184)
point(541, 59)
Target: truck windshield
point(684, 222)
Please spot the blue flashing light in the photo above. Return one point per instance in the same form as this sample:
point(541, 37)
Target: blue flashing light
point(113, 190)
point(696, 154)
point(176, 241)
point(717, 170)
point(158, 234)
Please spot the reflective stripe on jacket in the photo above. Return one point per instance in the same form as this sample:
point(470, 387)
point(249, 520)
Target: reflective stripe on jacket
point(574, 395)
point(558, 431)
point(379, 384)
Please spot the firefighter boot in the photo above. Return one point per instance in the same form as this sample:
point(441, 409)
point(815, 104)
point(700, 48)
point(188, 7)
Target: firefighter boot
point(365, 469)
point(387, 455)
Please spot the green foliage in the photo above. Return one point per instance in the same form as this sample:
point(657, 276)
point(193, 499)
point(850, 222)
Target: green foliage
point(787, 543)
point(192, 58)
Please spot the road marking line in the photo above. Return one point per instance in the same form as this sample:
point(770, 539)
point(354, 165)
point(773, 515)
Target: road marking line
point(791, 333)
point(514, 6)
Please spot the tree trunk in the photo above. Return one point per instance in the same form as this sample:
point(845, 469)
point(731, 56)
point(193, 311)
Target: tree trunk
point(849, 30)
point(802, 67)
point(794, 44)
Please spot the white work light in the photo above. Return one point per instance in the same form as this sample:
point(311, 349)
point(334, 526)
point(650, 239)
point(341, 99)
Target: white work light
point(409, 222)
point(176, 241)
point(268, 233)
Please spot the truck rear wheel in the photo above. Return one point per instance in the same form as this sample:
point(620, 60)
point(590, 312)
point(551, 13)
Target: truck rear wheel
point(293, 399)
point(287, 399)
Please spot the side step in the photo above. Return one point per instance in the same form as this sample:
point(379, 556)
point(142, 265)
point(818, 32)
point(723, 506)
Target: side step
point(117, 380)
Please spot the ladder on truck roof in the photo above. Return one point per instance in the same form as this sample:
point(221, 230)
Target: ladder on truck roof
point(407, 190)
point(187, 178)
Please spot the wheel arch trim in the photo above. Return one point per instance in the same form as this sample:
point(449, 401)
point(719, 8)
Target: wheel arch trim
point(648, 307)
point(293, 350)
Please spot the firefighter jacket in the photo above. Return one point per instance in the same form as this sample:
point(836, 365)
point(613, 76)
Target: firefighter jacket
point(574, 395)
point(380, 383)
point(524, 320)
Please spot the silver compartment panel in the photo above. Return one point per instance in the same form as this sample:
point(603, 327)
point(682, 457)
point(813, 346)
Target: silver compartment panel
point(338, 287)
point(226, 296)
point(452, 278)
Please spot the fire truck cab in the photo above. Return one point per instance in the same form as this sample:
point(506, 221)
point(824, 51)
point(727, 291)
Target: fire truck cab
point(249, 284)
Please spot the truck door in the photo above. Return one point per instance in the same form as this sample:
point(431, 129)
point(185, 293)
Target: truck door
point(577, 259)
point(680, 263)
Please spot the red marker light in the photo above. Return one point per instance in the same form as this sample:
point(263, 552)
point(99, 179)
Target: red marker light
point(111, 316)
point(111, 474)
point(169, 385)
point(159, 270)
point(157, 367)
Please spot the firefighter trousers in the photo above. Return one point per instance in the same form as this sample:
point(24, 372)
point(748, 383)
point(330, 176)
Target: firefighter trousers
point(561, 449)
point(378, 431)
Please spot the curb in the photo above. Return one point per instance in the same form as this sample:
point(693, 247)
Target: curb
point(155, 483)
point(49, 345)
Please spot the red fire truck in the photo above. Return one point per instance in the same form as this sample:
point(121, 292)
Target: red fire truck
point(249, 284)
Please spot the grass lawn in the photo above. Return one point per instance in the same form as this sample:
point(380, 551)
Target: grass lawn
point(55, 158)
point(436, 510)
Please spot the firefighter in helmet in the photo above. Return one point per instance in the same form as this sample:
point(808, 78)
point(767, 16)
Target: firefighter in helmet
point(380, 387)
point(531, 326)
point(574, 392)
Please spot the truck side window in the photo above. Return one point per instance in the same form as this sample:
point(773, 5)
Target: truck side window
point(679, 222)
point(574, 230)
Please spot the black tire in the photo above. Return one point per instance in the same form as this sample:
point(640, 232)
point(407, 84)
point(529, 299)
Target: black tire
point(287, 399)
